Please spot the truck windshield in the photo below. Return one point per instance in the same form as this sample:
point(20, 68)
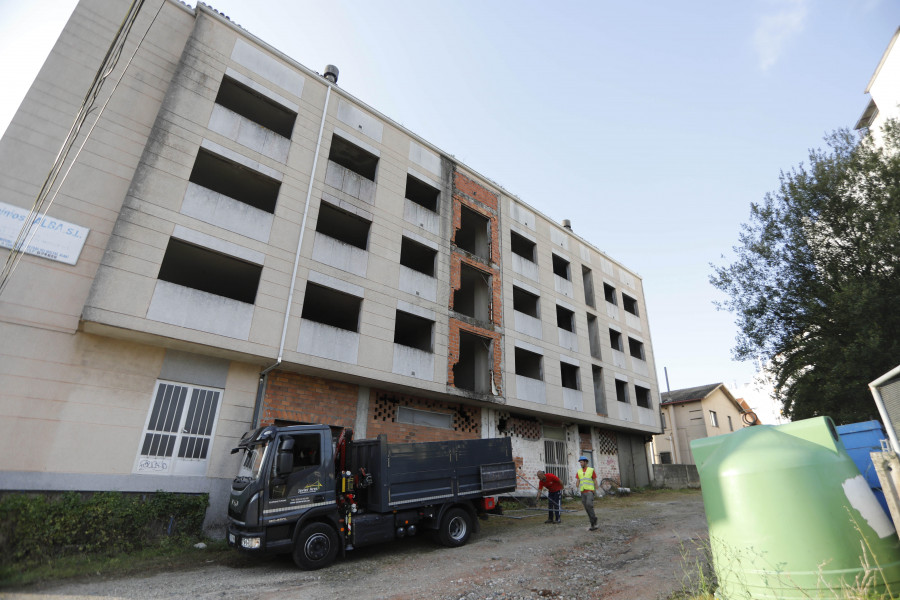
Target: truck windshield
point(254, 457)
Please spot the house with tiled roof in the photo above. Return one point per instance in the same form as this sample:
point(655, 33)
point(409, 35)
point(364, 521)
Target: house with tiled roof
point(698, 412)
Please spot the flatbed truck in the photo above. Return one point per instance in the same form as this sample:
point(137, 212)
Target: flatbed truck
point(302, 490)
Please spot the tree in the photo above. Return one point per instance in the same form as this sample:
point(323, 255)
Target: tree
point(815, 286)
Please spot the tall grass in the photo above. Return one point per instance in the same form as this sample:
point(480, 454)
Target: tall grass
point(700, 578)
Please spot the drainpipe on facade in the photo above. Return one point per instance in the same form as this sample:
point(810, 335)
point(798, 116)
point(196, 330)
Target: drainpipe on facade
point(264, 374)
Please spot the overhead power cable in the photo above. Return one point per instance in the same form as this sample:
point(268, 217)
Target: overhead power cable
point(45, 198)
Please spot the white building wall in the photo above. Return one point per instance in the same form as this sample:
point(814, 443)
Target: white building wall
point(135, 196)
point(884, 88)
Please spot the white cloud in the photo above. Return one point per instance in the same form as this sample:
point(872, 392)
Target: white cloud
point(776, 29)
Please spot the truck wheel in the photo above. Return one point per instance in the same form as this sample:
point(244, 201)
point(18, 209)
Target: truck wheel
point(316, 546)
point(456, 527)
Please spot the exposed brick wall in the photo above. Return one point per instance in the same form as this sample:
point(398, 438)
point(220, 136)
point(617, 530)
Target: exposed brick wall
point(455, 327)
point(295, 397)
point(466, 192)
point(474, 190)
point(528, 446)
point(513, 426)
point(606, 459)
point(383, 419)
point(584, 440)
point(607, 466)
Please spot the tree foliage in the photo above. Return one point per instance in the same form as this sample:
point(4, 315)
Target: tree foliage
point(815, 285)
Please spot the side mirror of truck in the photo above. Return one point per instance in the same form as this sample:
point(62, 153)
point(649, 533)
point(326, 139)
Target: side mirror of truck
point(284, 464)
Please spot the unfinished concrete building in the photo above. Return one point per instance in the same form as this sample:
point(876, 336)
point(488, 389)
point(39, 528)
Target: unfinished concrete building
point(241, 242)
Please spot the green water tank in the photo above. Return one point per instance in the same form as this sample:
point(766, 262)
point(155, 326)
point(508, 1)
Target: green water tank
point(790, 515)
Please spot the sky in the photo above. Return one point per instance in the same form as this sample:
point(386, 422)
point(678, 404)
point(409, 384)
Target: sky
point(652, 126)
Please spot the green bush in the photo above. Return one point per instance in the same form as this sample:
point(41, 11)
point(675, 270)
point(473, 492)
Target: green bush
point(36, 528)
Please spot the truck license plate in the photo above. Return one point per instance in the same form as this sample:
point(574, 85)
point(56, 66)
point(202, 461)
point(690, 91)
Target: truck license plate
point(231, 538)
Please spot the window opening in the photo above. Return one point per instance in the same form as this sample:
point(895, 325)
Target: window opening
point(352, 157)
point(599, 393)
point(343, 226)
point(565, 318)
point(474, 233)
point(413, 331)
point(621, 391)
point(473, 298)
point(587, 278)
point(615, 340)
point(609, 292)
point(561, 267)
point(522, 246)
point(415, 416)
point(665, 458)
point(642, 396)
point(593, 335)
point(569, 374)
point(208, 271)
point(421, 193)
point(330, 307)
point(526, 302)
point(713, 418)
point(636, 348)
point(254, 106)
point(662, 420)
point(235, 181)
point(730, 426)
point(417, 257)
point(630, 304)
point(474, 370)
point(528, 364)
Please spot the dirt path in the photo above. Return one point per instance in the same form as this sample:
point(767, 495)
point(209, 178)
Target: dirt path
point(635, 555)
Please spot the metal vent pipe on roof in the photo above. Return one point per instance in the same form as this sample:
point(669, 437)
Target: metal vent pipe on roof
point(567, 224)
point(331, 73)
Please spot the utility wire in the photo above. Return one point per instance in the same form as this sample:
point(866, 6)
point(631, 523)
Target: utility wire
point(41, 205)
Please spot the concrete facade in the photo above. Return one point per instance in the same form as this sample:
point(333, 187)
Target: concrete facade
point(276, 251)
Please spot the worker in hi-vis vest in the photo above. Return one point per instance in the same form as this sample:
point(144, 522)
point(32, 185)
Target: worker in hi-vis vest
point(587, 483)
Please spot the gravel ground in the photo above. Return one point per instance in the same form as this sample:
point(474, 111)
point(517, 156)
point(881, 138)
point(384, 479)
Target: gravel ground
point(637, 554)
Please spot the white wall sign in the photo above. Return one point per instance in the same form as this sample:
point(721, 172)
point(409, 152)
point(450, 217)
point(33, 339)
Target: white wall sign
point(54, 239)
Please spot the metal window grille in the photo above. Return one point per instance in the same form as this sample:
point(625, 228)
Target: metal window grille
point(555, 459)
point(181, 417)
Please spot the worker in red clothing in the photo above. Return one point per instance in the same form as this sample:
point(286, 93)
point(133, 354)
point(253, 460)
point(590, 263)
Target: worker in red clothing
point(587, 483)
point(554, 494)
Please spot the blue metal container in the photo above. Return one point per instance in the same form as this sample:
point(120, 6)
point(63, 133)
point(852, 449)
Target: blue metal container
point(860, 440)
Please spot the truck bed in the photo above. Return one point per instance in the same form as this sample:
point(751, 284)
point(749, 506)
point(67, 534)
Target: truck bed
point(415, 474)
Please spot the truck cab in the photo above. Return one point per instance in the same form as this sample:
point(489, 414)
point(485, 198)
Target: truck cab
point(286, 475)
